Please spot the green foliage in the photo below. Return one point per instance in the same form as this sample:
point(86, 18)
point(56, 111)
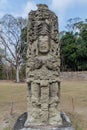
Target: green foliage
point(74, 48)
point(23, 45)
point(77, 127)
point(24, 34)
point(23, 72)
point(83, 34)
point(68, 51)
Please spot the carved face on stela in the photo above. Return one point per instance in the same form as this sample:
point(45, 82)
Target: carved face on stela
point(43, 39)
point(43, 44)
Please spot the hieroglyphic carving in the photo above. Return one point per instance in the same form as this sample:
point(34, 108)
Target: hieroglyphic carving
point(43, 67)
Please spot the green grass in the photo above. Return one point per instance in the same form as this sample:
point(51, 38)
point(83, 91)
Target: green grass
point(74, 102)
point(8, 128)
point(78, 127)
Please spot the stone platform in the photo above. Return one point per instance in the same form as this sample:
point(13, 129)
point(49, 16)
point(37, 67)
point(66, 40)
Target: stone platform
point(19, 125)
point(62, 128)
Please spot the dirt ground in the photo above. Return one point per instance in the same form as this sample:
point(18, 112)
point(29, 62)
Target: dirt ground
point(13, 101)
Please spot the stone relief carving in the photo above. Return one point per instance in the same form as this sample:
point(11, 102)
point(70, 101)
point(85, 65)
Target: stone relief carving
point(43, 68)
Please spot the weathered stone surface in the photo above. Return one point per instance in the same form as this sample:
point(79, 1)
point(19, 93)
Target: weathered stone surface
point(65, 126)
point(62, 128)
point(43, 68)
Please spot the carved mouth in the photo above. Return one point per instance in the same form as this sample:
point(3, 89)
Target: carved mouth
point(43, 48)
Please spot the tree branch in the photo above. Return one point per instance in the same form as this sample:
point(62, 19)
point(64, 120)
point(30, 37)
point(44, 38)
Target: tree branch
point(6, 45)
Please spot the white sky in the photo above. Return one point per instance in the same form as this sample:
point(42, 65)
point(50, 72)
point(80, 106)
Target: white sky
point(64, 9)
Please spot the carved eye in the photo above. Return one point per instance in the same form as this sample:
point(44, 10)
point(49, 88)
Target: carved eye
point(34, 51)
point(57, 49)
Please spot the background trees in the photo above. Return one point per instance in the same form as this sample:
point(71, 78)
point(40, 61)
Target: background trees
point(10, 41)
point(74, 46)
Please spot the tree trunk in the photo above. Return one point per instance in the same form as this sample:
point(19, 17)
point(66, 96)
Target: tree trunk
point(7, 75)
point(17, 74)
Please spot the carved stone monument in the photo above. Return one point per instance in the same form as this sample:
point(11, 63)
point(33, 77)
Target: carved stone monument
point(43, 68)
point(43, 71)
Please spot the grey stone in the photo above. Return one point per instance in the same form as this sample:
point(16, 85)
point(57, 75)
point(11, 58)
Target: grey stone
point(43, 68)
point(66, 124)
point(20, 122)
point(62, 128)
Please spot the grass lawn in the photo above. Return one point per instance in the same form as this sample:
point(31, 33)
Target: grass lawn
point(73, 101)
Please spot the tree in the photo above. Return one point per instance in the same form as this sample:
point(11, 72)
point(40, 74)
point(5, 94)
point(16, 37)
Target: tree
point(10, 37)
point(23, 46)
point(72, 24)
point(68, 52)
point(1, 67)
point(74, 45)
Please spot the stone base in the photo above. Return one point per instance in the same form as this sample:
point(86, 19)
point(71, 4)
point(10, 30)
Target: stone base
point(62, 128)
point(66, 124)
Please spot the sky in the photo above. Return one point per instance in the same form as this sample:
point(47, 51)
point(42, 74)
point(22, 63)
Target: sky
point(64, 9)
